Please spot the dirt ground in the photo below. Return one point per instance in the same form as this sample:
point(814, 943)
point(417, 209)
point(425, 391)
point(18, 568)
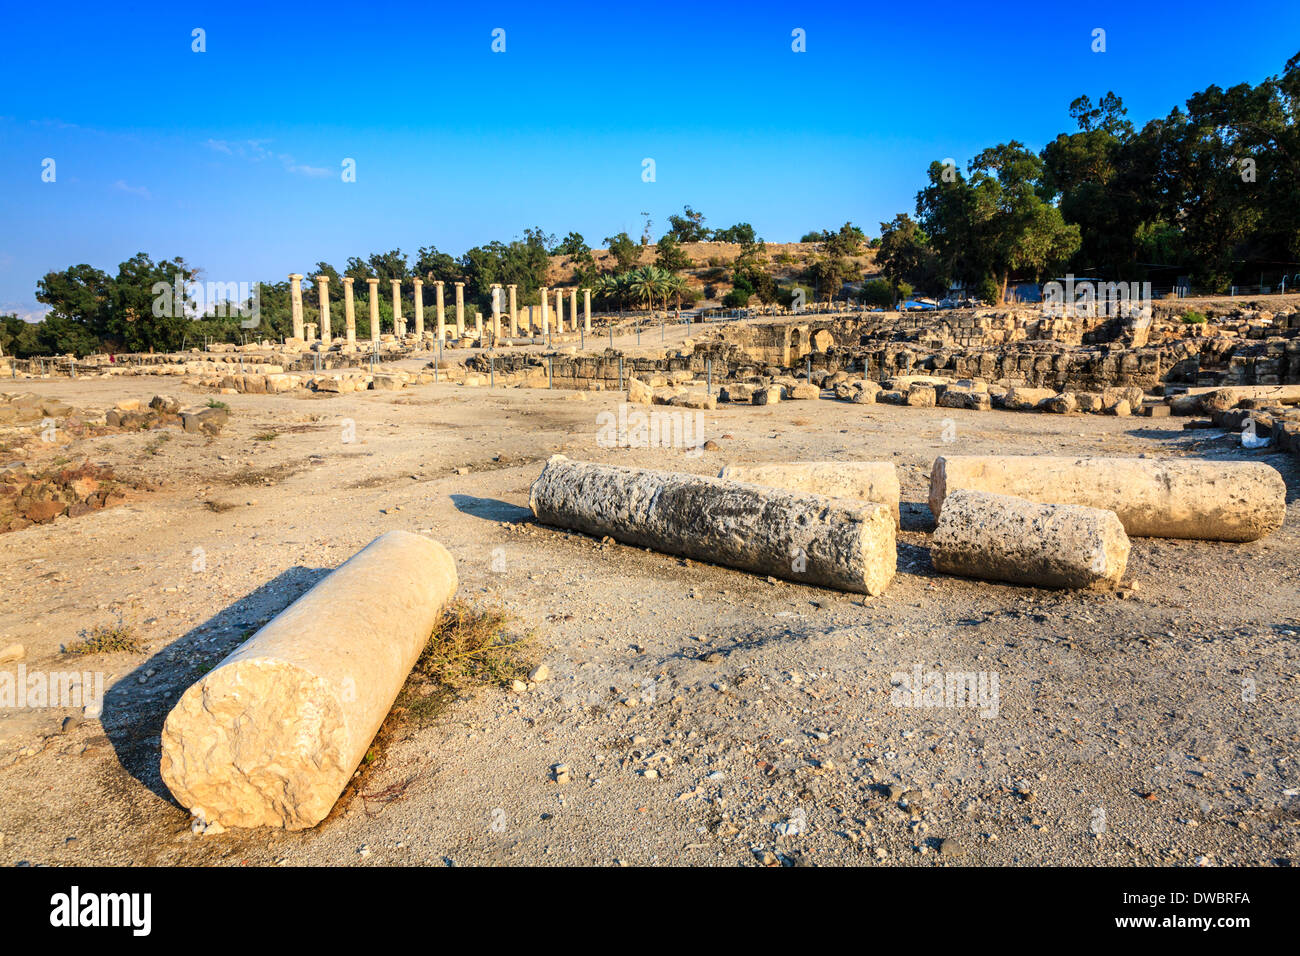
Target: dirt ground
point(708, 716)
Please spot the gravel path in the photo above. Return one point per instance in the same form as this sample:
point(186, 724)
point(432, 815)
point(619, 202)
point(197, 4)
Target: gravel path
point(705, 716)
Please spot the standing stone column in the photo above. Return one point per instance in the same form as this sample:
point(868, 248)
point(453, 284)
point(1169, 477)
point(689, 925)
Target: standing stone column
point(419, 309)
point(323, 288)
point(514, 312)
point(310, 332)
point(295, 300)
point(399, 324)
point(460, 310)
point(559, 310)
point(586, 309)
point(546, 315)
point(442, 321)
point(573, 308)
point(374, 310)
point(496, 312)
point(349, 311)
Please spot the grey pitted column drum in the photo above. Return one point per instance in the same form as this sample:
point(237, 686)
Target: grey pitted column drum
point(1002, 538)
point(801, 537)
point(1182, 498)
point(272, 735)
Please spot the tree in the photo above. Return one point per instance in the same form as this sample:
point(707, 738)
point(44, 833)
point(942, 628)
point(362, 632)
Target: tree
point(829, 273)
point(1085, 173)
point(741, 232)
point(434, 266)
point(389, 265)
point(648, 282)
point(737, 298)
point(625, 252)
point(905, 255)
point(79, 298)
point(677, 287)
point(996, 221)
point(877, 292)
point(688, 227)
point(670, 256)
point(574, 247)
point(847, 242)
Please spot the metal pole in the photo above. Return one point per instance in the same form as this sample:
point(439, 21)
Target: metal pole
point(611, 333)
point(620, 373)
point(708, 364)
point(808, 358)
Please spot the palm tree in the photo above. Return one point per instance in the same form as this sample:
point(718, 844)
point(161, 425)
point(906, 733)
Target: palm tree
point(648, 282)
point(623, 287)
point(606, 288)
point(675, 285)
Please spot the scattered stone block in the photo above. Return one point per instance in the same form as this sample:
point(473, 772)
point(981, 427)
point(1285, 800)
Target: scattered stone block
point(1197, 499)
point(1004, 538)
point(812, 539)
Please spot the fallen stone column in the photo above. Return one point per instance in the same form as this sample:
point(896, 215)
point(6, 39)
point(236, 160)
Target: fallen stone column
point(1002, 538)
point(807, 538)
point(1186, 498)
point(272, 735)
point(874, 481)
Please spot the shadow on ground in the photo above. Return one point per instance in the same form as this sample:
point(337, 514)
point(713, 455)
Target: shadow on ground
point(490, 509)
point(134, 712)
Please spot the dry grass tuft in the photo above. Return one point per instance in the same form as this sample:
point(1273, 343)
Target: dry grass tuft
point(469, 647)
point(116, 638)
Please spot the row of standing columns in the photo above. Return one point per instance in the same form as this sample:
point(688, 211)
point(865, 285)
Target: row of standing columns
point(399, 323)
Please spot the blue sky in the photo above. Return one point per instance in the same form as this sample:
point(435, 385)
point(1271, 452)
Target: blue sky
point(232, 158)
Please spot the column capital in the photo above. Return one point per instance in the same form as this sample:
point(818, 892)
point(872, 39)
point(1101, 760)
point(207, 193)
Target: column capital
point(347, 280)
point(439, 282)
point(372, 281)
point(395, 282)
point(323, 279)
point(417, 281)
point(459, 283)
point(512, 286)
point(295, 276)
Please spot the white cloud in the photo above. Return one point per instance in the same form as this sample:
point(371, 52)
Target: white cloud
point(27, 311)
point(254, 150)
point(140, 191)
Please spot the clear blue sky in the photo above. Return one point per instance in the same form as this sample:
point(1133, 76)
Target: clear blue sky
point(232, 158)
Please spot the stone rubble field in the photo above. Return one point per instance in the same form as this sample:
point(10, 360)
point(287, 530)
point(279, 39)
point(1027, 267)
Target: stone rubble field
point(685, 712)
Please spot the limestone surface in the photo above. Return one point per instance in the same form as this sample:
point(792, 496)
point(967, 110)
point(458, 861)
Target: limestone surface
point(1183, 498)
point(1003, 538)
point(272, 735)
point(798, 536)
point(874, 481)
